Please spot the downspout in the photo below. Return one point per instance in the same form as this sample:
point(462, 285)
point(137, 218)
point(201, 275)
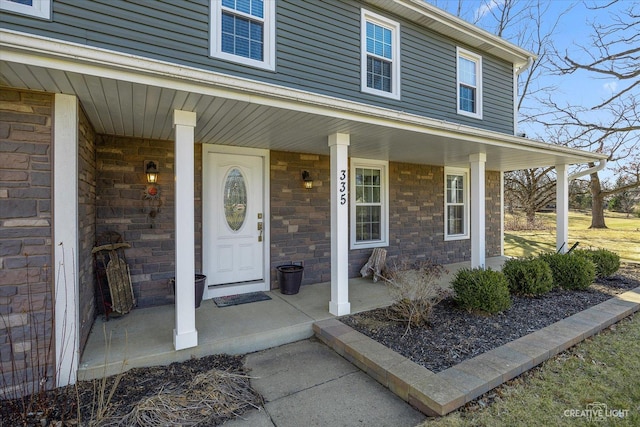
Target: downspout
point(516, 74)
point(601, 164)
point(525, 67)
point(562, 201)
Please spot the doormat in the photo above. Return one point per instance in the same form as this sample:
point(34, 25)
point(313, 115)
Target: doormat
point(241, 299)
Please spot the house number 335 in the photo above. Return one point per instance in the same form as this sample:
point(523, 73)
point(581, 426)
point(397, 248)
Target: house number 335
point(342, 187)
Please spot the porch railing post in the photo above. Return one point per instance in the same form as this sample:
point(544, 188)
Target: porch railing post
point(562, 208)
point(339, 304)
point(185, 334)
point(65, 235)
point(478, 208)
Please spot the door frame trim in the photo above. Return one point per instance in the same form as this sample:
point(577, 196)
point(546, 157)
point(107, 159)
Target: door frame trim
point(208, 224)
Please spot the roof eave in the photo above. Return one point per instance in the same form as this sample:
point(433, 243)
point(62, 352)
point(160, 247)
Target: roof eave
point(440, 21)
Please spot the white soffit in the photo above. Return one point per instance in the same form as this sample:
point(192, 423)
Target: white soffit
point(135, 97)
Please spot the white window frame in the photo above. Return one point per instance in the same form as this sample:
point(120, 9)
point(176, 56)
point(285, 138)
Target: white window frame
point(395, 53)
point(39, 9)
point(383, 166)
point(215, 36)
point(477, 59)
point(466, 198)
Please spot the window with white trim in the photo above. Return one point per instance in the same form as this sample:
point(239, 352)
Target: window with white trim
point(456, 204)
point(469, 91)
point(36, 8)
point(243, 31)
point(369, 203)
point(380, 56)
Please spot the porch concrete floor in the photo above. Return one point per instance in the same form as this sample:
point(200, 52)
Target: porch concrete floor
point(144, 337)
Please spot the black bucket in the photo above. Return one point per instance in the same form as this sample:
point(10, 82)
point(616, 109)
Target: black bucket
point(199, 282)
point(290, 278)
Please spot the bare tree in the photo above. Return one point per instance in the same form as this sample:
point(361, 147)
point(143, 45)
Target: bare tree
point(579, 194)
point(530, 190)
point(624, 201)
point(613, 53)
point(526, 23)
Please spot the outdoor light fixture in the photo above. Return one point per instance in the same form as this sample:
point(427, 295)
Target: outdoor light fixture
point(308, 182)
point(152, 172)
point(152, 192)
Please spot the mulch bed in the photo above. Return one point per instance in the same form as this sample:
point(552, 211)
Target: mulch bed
point(454, 335)
point(59, 407)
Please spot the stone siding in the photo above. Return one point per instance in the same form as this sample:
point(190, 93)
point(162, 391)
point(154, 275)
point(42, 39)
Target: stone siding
point(26, 282)
point(493, 218)
point(301, 219)
point(121, 206)
point(86, 225)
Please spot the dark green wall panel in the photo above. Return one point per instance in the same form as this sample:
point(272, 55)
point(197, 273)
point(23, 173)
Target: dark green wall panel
point(317, 50)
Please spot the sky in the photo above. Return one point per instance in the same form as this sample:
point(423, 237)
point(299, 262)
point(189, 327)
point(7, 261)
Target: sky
point(573, 30)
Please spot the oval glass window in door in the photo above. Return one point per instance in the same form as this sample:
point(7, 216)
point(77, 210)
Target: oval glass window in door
point(235, 199)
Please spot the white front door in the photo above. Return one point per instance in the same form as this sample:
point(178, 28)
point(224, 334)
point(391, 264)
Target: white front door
point(233, 222)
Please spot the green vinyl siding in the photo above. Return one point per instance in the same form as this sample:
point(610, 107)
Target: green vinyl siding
point(317, 50)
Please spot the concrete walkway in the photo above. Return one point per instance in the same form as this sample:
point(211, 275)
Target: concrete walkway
point(307, 384)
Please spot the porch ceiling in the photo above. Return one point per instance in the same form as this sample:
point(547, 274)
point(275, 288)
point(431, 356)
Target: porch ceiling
point(287, 120)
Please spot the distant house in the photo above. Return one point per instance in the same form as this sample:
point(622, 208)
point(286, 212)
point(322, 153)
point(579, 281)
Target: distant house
point(402, 115)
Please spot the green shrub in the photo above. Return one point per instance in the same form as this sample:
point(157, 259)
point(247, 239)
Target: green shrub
point(606, 262)
point(483, 290)
point(528, 276)
point(570, 271)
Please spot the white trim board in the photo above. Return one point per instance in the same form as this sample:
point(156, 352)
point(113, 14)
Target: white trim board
point(55, 54)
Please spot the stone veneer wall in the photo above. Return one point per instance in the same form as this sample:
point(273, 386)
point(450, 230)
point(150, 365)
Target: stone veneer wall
point(301, 219)
point(493, 218)
point(121, 207)
point(86, 225)
point(26, 282)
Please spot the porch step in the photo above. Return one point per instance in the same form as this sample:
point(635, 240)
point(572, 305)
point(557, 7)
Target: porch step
point(144, 337)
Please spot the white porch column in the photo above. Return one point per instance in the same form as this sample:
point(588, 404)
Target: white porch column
point(562, 209)
point(185, 334)
point(502, 213)
point(478, 209)
point(339, 304)
point(65, 238)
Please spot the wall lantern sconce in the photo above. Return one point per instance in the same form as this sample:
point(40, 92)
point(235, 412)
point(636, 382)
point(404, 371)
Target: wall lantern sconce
point(152, 172)
point(308, 182)
point(152, 192)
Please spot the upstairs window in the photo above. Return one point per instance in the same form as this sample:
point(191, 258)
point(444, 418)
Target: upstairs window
point(243, 31)
point(469, 67)
point(380, 55)
point(456, 204)
point(369, 204)
point(35, 8)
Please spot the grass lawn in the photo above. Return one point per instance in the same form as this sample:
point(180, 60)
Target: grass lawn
point(602, 370)
point(622, 236)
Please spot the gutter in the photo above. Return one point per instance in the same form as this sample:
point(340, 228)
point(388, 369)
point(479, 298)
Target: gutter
point(601, 164)
point(45, 52)
point(525, 66)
